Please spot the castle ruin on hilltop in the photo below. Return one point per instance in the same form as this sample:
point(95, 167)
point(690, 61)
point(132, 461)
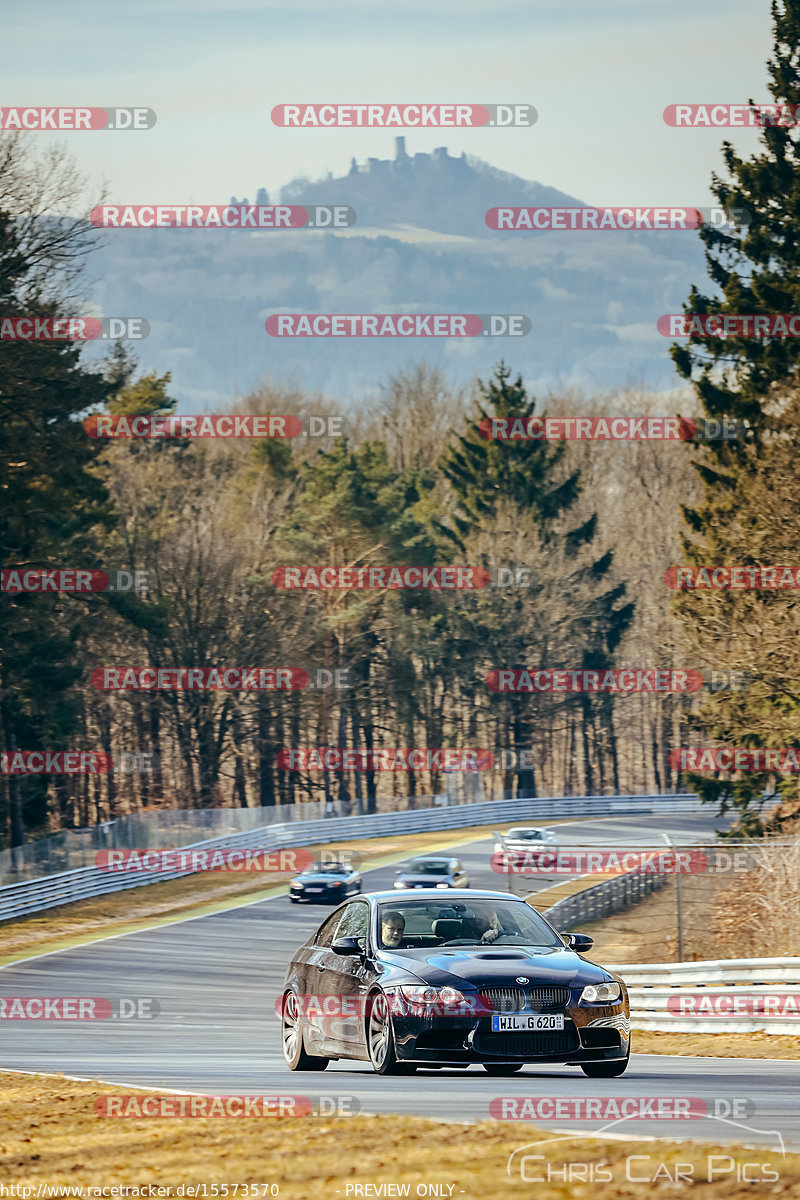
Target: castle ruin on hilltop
point(402, 159)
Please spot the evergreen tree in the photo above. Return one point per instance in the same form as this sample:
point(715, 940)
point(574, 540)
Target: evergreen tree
point(754, 270)
point(527, 480)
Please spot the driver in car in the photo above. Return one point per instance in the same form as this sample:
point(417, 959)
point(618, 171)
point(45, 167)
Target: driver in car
point(392, 929)
point(485, 928)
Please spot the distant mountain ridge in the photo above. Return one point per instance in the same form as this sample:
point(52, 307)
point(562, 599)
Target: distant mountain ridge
point(419, 245)
point(438, 191)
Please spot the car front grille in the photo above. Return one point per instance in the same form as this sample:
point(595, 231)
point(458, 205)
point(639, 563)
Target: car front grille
point(511, 999)
point(523, 1045)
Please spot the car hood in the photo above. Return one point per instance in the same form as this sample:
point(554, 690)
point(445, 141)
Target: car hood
point(486, 967)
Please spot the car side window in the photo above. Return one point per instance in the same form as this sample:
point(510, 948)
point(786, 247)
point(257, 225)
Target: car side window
point(325, 935)
point(354, 923)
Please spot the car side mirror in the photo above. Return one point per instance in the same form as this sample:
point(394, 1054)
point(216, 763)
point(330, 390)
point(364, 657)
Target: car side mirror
point(578, 941)
point(346, 945)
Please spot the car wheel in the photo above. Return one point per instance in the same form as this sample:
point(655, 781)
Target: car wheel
point(292, 1039)
point(293, 900)
point(606, 1070)
point(502, 1068)
point(380, 1039)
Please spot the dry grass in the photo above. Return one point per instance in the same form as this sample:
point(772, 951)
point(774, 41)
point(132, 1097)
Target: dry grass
point(50, 1135)
point(718, 1045)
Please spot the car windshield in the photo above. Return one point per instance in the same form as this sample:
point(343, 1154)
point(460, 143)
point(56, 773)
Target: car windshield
point(431, 923)
point(429, 866)
point(525, 835)
point(326, 869)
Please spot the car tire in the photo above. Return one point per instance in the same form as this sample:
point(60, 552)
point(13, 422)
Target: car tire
point(293, 900)
point(606, 1070)
point(502, 1068)
point(380, 1039)
point(294, 1052)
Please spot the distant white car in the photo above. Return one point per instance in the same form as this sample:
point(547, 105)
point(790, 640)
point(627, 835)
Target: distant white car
point(525, 837)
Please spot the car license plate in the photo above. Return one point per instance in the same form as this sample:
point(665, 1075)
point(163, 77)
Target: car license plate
point(313, 889)
point(526, 1021)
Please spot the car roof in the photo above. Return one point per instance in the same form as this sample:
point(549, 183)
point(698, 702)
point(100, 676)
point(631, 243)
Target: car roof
point(323, 866)
point(439, 894)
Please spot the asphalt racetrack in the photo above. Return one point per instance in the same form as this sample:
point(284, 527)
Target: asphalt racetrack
point(217, 979)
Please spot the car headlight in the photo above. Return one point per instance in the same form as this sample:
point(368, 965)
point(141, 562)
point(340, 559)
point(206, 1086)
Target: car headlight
point(601, 993)
point(400, 883)
point(297, 886)
point(335, 883)
point(443, 999)
point(445, 885)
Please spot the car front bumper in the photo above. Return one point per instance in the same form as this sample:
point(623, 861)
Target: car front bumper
point(589, 1035)
point(325, 896)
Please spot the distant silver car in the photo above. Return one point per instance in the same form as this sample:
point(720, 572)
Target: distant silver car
point(525, 837)
point(431, 871)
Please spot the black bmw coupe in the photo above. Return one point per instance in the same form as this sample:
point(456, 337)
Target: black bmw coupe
point(450, 979)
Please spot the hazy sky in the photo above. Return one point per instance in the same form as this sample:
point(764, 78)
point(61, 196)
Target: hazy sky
point(599, 75)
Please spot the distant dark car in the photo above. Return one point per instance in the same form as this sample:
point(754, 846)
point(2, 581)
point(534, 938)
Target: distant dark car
point(431, 980)
point(431, 871)
point(327, 883)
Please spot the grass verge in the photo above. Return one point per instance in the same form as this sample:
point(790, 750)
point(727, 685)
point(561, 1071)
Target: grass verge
point(51, 1136)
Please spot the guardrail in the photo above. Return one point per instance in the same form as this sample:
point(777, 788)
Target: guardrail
point(728, 983)
point(603, 899)
point(36, 895)
point(711, 971)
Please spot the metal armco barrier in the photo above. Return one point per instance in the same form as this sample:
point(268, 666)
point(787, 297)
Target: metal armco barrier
point(35, 895)
point(735, 979)
point(603, 899)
